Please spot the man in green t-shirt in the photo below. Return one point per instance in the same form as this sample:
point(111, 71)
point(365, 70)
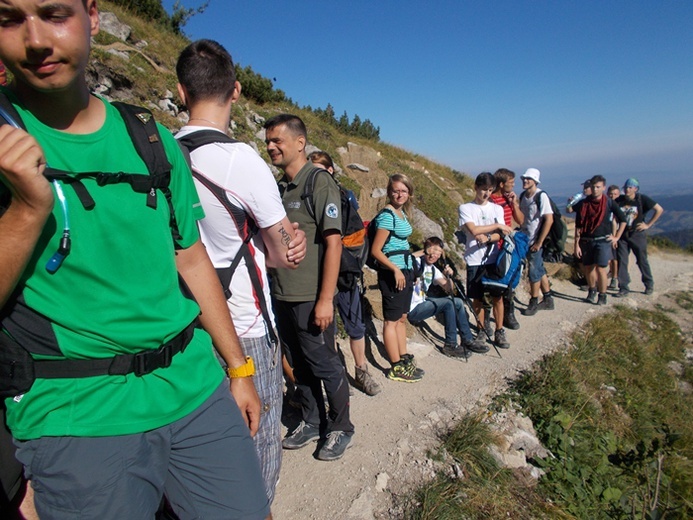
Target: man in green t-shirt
point(108, 444)
point(304, 298)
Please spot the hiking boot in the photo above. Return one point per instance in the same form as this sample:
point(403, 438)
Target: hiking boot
point(649, 290)
point(500, 340)
point(622, 293)
point(404, 373)
point(454, 351)
point(365, 382)
point(303, 435)
point(614, 284)
point(477, 346)
point(410, 361)
point(546, 304)
point(532, 308)
point(601, 300)
point(591, 296)
point(336, 444)
point(509, 319)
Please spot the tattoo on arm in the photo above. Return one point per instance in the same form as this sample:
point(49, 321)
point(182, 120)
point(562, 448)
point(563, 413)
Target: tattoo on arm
point(286, 238)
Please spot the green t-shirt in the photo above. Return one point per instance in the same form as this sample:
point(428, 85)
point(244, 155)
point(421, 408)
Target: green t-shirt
point(303, 283)
point(117, 292)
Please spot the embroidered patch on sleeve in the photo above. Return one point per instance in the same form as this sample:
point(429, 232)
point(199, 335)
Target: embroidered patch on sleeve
point(331, 210)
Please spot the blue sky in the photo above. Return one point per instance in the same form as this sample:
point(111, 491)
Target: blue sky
point(572, 88)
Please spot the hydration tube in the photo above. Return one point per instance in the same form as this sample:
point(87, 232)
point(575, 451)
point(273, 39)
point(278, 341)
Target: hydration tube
point(56, 260)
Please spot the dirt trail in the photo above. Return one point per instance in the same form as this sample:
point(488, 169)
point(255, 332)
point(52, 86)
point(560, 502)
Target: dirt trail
point(395, 429)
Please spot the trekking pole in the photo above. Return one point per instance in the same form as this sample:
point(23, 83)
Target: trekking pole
point(452, 299)
point(480, 326)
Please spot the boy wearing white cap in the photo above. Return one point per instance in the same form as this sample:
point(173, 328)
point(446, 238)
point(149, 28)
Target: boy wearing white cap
point(536, 207)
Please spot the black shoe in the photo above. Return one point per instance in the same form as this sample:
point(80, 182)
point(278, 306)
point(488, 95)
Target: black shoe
point(303, 435)
point(410, 361)
point(500, 340)
point(622, 293)
point(454, 351)
point(475, 345)
point(546, 304)
point(532, 308)
point(649, 290)
point(601, 300)
point(591, 296)
point(509, 321)
point(336, 444)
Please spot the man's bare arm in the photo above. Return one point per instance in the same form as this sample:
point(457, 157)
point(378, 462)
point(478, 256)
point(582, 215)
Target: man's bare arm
point(324, 307)
point(285, 244)
point(22, 164)
point(198, 273)
point(658, 210)
point(547, 222)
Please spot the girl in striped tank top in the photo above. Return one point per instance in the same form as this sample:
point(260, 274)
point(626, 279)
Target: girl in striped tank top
point(395, 276)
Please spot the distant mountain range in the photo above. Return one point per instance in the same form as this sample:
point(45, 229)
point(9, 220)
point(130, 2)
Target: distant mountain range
point(676, 223)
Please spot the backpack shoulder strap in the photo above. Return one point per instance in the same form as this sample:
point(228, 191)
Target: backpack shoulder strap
point(7, 109)
point(247, 228)
point(145, 136)
point(309, 189)
point(194, 140)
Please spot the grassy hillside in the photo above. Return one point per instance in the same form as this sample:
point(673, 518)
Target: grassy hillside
point(150, 72)
point(613, 410)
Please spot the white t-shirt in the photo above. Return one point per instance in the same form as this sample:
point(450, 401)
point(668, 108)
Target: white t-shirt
point(479, 215)
point(428, 277)
point(534, 208)
point(248, 182)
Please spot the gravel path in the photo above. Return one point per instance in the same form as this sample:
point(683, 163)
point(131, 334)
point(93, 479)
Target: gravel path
point(395, 429)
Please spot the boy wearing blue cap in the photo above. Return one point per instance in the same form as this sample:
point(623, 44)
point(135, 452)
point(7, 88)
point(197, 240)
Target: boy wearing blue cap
point(635, 206)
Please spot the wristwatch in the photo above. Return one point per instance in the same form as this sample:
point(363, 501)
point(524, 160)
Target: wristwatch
point(488, 237)
point(245, 370)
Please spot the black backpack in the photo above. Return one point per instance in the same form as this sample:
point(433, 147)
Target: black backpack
point(554, 244)
point(247, 228)
point(17, 367)
point(144, 133)
point(355, 243)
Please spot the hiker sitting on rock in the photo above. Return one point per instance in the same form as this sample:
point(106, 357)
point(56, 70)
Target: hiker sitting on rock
point(424, 304)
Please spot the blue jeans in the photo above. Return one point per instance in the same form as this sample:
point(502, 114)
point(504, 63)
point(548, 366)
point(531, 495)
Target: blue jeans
point(454, 317)
point(536, 265)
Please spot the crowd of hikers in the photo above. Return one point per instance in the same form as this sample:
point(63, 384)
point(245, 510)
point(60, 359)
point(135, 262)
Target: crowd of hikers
point(156, 291)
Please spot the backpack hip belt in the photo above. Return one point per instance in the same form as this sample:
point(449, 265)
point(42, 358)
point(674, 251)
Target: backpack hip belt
point(19, 370)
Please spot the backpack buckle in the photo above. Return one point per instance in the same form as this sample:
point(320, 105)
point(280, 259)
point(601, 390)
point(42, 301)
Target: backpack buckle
point(147, 362)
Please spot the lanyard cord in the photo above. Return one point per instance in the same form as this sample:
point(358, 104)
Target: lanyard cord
point(64, 248)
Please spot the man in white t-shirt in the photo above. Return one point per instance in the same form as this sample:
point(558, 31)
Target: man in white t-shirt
point(484, 226)
point(536, 207)
point(209, 88)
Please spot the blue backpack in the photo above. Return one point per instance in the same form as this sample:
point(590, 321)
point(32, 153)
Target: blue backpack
point(507, 270)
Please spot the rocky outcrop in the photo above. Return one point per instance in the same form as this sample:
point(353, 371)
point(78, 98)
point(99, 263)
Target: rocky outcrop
point(109, 23)
point(518, 443)
point(425, 225)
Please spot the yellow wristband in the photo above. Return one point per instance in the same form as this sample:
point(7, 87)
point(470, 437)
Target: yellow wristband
point(246, 370)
